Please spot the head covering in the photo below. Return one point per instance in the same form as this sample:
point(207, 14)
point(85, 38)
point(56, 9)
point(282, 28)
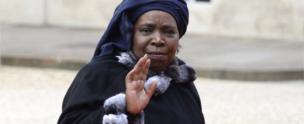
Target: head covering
point(118, 35)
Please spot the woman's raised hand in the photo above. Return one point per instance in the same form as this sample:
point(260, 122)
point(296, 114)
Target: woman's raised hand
point(137, 98)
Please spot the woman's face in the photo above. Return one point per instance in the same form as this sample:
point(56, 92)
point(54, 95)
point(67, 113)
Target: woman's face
point(156, 34)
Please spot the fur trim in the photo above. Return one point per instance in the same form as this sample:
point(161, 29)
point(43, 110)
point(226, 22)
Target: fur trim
point(178, 71)
point(125, 58)
point(162, 81)
point(115, 109)
point(115, 104)
point(115, 119)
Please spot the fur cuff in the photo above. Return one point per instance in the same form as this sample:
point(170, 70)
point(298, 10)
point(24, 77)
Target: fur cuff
point(162, 85)
point(115, 104)
point(115, 111)
point(115, 119)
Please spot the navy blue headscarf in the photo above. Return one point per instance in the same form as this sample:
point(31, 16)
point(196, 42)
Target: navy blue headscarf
point(119, 33)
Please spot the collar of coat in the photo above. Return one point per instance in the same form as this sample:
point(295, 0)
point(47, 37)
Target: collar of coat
point(177, 72)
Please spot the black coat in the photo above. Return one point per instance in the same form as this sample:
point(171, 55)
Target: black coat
point(104, 77)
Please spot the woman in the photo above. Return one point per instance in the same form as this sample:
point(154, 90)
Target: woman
point(135, 76)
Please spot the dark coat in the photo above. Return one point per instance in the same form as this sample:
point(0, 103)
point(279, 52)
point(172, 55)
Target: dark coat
point(104, 78)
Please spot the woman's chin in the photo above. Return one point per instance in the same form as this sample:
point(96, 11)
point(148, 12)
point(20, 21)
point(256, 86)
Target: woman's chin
point(158, 67)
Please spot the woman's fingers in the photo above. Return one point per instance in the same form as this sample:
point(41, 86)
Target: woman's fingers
point(147, 65)
point(150, 91)
point(140, 70)
point(141, 65)
point(130, 76)
point(139, 84)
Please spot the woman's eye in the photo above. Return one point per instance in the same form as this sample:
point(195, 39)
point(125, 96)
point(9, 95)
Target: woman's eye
point(146, 30)
point(170, 32)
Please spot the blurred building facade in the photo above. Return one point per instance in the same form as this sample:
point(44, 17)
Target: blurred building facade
point(274, 19)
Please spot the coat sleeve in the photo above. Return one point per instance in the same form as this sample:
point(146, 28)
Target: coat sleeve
point(197, 97)
point(94, 83)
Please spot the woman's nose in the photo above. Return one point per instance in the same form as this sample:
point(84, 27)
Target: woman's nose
point(157, 40)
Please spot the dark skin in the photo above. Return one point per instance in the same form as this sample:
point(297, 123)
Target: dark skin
point(156, 34)
point(156, 40)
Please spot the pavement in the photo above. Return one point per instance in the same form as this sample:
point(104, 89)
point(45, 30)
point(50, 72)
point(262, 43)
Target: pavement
point(211, 56)
point(34, 96)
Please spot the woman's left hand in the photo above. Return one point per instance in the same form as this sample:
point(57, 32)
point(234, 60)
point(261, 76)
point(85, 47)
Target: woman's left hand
point(136, 96)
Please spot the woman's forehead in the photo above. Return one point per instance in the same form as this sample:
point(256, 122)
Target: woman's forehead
point(156, 16)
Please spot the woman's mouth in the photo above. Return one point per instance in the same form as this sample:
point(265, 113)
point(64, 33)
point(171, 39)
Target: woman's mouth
point(159, 60)
point(157, 56)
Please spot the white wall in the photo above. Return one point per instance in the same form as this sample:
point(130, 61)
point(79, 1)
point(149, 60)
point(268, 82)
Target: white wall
point(81, 13)
point(277, 19)
point(282, 19)
point(22, 12)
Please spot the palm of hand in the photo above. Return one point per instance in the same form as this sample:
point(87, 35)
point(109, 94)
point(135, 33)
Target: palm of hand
point(136, 97)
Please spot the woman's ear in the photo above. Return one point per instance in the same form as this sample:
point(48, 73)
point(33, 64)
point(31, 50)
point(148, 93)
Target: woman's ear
point(178, 47)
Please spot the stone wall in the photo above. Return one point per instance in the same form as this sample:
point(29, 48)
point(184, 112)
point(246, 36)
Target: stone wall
point(283, 19)
point(275, 19)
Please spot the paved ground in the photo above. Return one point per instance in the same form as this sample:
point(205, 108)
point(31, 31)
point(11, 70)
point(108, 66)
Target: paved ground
point(34, 96)
point(213, 57)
